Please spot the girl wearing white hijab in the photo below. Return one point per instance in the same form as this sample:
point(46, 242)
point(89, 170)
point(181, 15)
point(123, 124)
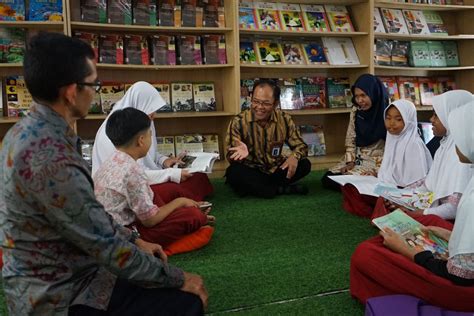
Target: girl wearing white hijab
point(406, 158)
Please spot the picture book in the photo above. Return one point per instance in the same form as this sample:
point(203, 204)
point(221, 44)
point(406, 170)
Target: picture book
point(165, 145)
point(192, 143)
point(96, 106)
point(182, 97)
point(119, 11)
point(419, 54)
point(94, 11)
point(247, 53)
point(18, 97)
point(399, 55)
point(416, 22)
point(315, 18)
point(210, 143)
point(446, 84)
point(110, 93)
point(408, 198)
point(179, 146)
point(409, 89)
point(136, 50)
point(293, 54)
point(339, 92)
point(435, 23)
point(428, 89)
point(12, 45)
point(291, 95)
point(163, 50)
point(214, 14)
point(214, 49)
point(86, 148)
point(339, 18)
point(189, 49)
point(247, 18)
point(391, 85)
point(340, 51)
point(111, 49)
point(314, 53)
point(378, 23)
point(200, 161)
point(451, 53)
point(291, 17)
point(267, 16)
point(364, 184)
point(204, 97)
point(92, 39)
point(12, 10)
point(169, 13)
point(383, 51)
point(437, 54)
point(314, 92)
point(394, 21)
point(313, 136)
point(246, 88)
point(45, 10)
point(144, 12)
point(410, 230)
point(426, 129)
point(191, 13)
point(269, 53)
point(165, 93)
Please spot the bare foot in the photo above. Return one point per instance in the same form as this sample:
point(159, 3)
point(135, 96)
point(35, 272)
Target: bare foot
point(211, 220)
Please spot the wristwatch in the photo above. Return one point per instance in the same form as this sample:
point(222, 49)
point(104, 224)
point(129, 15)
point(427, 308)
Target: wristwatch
point(134, 235)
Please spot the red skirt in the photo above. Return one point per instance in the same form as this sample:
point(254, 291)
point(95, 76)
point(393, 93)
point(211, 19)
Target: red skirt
point(356, 203)
point(196, 188)
point(377, 271)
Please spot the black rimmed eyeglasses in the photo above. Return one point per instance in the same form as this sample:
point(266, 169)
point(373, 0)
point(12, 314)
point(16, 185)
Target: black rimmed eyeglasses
point(96, 85)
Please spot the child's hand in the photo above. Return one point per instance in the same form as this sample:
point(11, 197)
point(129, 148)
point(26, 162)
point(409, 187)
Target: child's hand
point(394, 242)
point(185, 202)
point(185, 175)
point(438, 231)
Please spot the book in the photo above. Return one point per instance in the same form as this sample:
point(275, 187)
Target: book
point(411, 199)
point(214, 13)
point(165, 93)
point(178, 146)
point(110, 93)
point(364, 184)
point(144, 12)
point(435, 23)
point(96, 106)
point(136, 50)
point(247, 53)
point(165, 145)
point(446, 84)
point(419, 54)
point(339, 92)
point(189, 49)
point(394, 21)
point(314, 53)
point(428, 89)
point(315, 18)
point(41, 10)
point(399, 55)
point(339, 18)
point(18, 98)
point(182, 97)
point(204, 97)
point(169, 13)
point(416, 22)
point(191, 13)
point(269, 52)
point(391, 85)
point(409, 89)
point(247, 17)
point(313, 136)
point(291, 17)
point(210, 144)
point(410, 230)
point(246, 88)
point(199, 162)
point(340, 51)
point(267, 16)
point(314, 92)
point(119, 11)
point(451, 53)
point(378, 22)
point(437, 54)
point(291, 94)
point(426, 129)
point(163, 50)
point(94, 11)
point(12, 10)
point(214, 49)
point(192, 143)
point(92, 39)
point(383, 52)
point(111, 49)
point(12, 44)
point(293, 54)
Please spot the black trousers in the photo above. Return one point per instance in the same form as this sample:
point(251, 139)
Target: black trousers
point(129, 299)
point(251, 181)
point(330, 184)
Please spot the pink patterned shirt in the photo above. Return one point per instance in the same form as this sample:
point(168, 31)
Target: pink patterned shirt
point(122, 187)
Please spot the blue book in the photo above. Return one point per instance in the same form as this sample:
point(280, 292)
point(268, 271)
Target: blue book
point(45, 10)
point(13, 10)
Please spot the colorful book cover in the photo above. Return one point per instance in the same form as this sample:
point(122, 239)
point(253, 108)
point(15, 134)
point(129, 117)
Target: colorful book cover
point(314, 53)
point(313, 136)
point(315, 18)
point(189, 49)
point(247, 17)
point(291, 94)
point(446, 84)
point(435, 23)
point(291, 17)
point(169, 13)
point(410, 230)
point(246, 88)
point(339, 18)
point(378, 22)
point(339, 93)
point(119, 11)
point(428, 89)
point(165, 145)
point(210, 143)
point(96, 106)
point(409, 89)
point(383, 51)
point(182, 97)
point(340, 51)
point(214, 49)
point(400, 50)
point(94, 11)
point(394, 21)
point(163, 50)
point(136, 50)
point(416, 22)
point(247, 53)
point(12, 10)
point(45, 10)
point(314, 92)
point(191, 13)
point(293, 54)
point(165, 92)
point(92, 39)
point(144, 12)
point(111, 49)
point(451, 53)
point(213, 15)
point(267, 16)
point(18, 97)
point(391, 85)
point(12, 45)
point(204, 97)
point(408, 198)
point(269, 53)
point(419, 54)
point(110, 93)
point(437, 54)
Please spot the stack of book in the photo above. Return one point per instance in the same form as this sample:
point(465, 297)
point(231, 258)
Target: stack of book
point(177, 145)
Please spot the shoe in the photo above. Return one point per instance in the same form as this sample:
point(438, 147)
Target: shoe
point(299, 189)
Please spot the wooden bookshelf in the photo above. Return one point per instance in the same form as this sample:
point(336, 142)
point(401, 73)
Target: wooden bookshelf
point(436, 69)
point(419, 6)
point(300, 34)
point(161, 67)
point(35, 25)
point(416, 37)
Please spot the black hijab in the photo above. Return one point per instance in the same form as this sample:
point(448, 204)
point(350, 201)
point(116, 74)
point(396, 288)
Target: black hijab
point(369, 125)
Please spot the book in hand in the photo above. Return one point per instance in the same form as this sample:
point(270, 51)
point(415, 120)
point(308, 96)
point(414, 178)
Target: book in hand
point(410, 199)
point(364, 184)
point(410, 230)
point(199, 162)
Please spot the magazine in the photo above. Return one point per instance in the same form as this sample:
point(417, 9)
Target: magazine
point(410, 230)
point(199, 161)
point(408, 198)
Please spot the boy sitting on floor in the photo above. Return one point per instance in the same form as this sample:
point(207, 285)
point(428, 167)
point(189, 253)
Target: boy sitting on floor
point(121, 185)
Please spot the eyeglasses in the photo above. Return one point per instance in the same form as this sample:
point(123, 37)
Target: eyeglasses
point(96, 85)
point(262, 103)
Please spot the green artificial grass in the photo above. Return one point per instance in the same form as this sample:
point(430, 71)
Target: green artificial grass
point(278, 256)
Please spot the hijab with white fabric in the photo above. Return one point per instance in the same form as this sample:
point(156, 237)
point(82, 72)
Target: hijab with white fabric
point(462, 237)
point(406, 158)
point(447, 174)
point(141, 96)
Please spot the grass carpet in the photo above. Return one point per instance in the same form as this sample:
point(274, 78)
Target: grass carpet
point(277, 256)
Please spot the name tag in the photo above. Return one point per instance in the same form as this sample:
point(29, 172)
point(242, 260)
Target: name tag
point(276, 148)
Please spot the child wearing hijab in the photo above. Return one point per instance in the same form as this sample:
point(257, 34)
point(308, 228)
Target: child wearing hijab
point(405, 161)
point(365, 137)
point(170, 182)
point(386, 265)
point(447, 177)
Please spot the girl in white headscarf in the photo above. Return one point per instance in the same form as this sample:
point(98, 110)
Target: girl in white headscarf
point(406, 158)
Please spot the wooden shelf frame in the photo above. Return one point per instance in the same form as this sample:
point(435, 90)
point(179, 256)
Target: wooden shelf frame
point(420, 6)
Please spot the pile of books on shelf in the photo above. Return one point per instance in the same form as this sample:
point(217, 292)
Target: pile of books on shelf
point(414, 22)
point(419, 90)
point(328, 50)
point(176, 145)
point(12, 44)
point(294, 17)
point(32, 10)
point(313, 136)
point(156, 49)
point(18, 98)
point(442, 2)
point(307, 93)
point(173, 13)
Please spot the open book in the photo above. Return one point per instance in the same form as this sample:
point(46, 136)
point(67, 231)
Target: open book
point(364, 184)
point(409, 198)
point(199, 161)
point(410, 230)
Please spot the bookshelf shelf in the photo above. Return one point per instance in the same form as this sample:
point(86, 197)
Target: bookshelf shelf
point(318, 111)
point(161, 67)
point(418, 6)
point(342, 2)
point(147, 29)
point(305, 34)
point(9, 120)
point(37, 25)
point(408, 69)
point(12, 65)
point(255, 66)
point(174, 115)
point(424, 37)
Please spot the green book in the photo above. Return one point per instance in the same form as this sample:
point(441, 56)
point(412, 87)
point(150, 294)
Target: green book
point(419, 54)
point(451, 52)
point(437, 54)
point(435, 23)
